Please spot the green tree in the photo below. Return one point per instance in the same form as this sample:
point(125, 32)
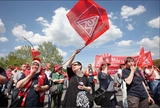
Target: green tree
point(50, 54)
point(157, 62)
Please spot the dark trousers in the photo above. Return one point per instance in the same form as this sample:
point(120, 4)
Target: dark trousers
point(56, 100)
point(14, 94)
point(135, 102)
point(92, 86)
point(106, 102)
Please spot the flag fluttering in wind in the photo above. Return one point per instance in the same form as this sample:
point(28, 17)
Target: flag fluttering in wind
point(148, 59)
point(88, 19)
point(35, 53)
point(141, 57)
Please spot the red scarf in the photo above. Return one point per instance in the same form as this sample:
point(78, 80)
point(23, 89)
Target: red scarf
point(41, 79)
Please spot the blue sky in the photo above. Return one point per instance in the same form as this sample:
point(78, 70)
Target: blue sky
point(133, 24)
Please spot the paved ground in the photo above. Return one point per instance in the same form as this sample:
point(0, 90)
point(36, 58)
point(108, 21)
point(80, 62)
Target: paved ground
point(119, 99)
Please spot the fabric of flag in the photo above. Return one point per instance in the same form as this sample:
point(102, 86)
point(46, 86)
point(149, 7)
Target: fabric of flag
point(35, 53)
point(148, 59)
point(141, 57)
point(88, 19)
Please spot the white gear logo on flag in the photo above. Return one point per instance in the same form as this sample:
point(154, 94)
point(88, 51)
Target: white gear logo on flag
point(88, 25)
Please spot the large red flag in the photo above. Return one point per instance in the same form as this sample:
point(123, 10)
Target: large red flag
point(88, 19)
point(35, 53)
point(141, 57)
point(148, 59)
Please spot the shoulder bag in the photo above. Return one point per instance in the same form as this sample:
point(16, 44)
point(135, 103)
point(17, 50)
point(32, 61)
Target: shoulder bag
point(54, 90)
point(3, 100)
point(89, 96)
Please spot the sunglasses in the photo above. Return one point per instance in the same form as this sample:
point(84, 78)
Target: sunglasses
point(75, 64)
point(103, 65)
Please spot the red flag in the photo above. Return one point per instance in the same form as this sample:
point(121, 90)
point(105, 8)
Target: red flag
point(141, 57)
point(98, 61)
point(88, 19)
point(35, 53)
point(148, 59)
point(105, 56)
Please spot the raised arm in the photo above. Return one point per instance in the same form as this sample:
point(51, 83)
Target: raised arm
point(129, 79)
point(23, 82)
point(69, 62)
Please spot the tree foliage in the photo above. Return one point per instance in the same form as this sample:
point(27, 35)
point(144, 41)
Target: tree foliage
point(157, 63)
point(49, 54)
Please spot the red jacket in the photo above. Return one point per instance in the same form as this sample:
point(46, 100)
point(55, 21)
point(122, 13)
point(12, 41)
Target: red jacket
point(94, 74)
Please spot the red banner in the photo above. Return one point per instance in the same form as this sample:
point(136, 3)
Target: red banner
point(117, 60)
point(88, 19)
point(141, 57)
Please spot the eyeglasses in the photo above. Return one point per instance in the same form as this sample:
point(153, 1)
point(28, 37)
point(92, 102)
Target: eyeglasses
point(103, 65)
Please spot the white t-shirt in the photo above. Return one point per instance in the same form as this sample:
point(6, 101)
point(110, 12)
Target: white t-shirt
point(157, 76)
point(47, 72)
point(119, 71)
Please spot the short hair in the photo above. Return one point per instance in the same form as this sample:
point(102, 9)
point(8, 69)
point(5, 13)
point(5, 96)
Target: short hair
point(128, 59)
point(79, 64)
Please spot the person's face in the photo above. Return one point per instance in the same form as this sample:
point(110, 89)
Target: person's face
point(103, 66)
point(89, 66)
point(35, 65)
point(76, 66)
point(130, 63)
point(59, 70)
point(23, 67)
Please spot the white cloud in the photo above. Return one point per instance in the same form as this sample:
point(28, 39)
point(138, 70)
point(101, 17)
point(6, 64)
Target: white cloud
point(124, 43)
point(129, 27)
point(19, 31)
point(3, 39)
point(127, 11)
point(154, 23)
point(64, 54)
point(60, 32)
point(2, 28)
point(153, 43)
point(2, 55)
point(17, 47)
point(111, 15)
point(129, 19)
point(42, 21)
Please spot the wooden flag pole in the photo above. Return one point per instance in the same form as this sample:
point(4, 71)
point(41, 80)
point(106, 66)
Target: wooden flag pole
point(72, 56)
point(28, 41)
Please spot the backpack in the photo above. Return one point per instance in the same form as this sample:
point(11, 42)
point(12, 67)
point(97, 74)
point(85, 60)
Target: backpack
point(158, 93)
point(82, 100)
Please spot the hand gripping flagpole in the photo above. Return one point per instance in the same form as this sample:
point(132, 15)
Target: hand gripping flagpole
point(72, 56)
point(28, 41)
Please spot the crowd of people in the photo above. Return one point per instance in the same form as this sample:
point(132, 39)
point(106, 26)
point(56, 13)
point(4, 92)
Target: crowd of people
point(140, 85)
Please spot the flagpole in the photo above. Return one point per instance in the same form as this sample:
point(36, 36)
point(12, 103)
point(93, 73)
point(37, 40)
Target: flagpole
point(72, 56)
point(28, 41)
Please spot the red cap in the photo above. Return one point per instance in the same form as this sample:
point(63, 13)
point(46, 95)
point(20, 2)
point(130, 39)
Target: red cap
point(56, 67)
point(37, 59)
